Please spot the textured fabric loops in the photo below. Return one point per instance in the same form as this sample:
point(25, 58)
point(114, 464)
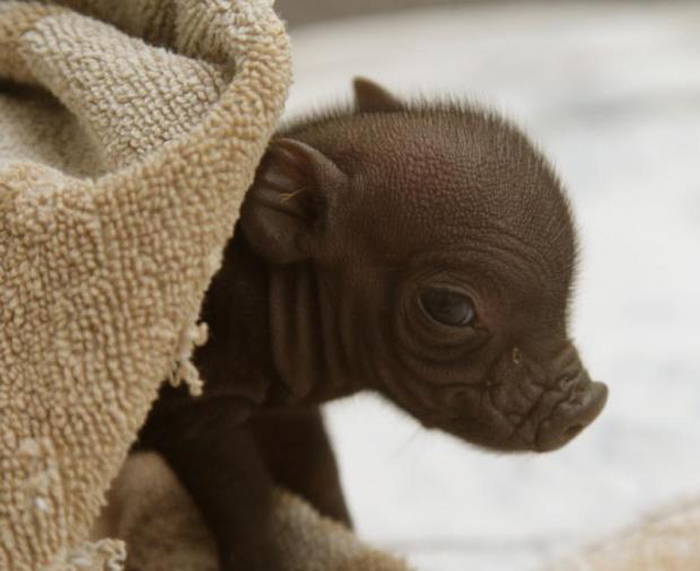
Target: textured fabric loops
point(129, 133)
point(128, 137)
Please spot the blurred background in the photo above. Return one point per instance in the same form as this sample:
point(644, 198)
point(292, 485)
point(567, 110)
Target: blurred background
point(612, 93)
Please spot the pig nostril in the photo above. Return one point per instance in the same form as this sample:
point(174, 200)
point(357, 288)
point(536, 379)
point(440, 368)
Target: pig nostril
point(572, 417)
point(573, 431)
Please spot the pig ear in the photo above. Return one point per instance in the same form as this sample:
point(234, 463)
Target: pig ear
point(286, 210)
point(371, 97)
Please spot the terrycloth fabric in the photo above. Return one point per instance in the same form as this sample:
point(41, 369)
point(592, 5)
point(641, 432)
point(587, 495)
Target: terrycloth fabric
point(666, 541)
point(129, 132)
point(150, 510)
point(117, 194)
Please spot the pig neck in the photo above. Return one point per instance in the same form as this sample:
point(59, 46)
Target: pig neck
point(272, 341)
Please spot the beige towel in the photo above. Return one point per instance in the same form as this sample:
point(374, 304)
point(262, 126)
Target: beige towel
point(117, 194)
point(666, 541)
point(150, 510)
point(129, 132)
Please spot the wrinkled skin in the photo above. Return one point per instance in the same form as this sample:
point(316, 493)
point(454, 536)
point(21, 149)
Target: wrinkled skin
point(422, 251)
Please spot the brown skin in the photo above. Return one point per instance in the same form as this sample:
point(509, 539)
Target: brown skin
point(422, 251)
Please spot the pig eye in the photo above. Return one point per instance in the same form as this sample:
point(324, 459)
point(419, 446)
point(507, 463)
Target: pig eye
point(448, 307)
